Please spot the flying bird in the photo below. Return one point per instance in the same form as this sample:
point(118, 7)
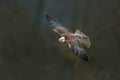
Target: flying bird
point(75, 41)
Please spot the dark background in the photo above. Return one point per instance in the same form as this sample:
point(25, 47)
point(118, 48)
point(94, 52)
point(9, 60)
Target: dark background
point(29, 49)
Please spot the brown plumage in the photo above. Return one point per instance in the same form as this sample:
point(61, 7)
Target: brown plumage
point(75, 40)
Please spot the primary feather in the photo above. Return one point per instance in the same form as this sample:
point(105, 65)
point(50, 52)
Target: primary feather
point(57, 26)
point(79, 51)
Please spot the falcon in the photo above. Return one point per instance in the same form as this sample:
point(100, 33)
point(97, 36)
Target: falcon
point(76, 41)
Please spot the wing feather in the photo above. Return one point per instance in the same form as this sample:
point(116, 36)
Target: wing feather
point(57, 26)
point(78, 49)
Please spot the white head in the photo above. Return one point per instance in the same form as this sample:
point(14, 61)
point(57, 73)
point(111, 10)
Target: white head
point(62, 39)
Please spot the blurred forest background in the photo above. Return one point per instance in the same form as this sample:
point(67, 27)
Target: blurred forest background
point(29, 49)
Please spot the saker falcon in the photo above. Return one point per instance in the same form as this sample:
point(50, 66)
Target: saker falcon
point(75, 41)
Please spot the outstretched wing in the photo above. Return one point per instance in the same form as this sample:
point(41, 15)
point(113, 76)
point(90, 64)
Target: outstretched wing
point(84, 39)
point(78, 49)
point(57, 26)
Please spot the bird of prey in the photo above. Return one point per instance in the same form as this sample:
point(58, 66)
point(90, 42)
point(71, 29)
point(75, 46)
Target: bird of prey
point(75, 41)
